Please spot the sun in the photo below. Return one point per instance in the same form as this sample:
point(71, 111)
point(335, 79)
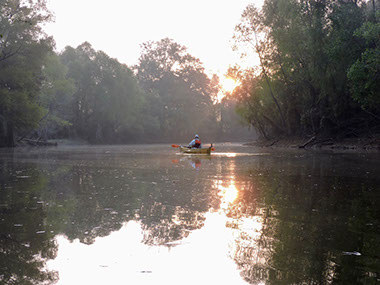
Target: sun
point(229, 84)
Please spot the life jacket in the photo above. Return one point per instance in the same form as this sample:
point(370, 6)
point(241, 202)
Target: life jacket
point(197, 143)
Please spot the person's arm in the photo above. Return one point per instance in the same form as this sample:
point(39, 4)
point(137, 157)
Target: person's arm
point(191, 144)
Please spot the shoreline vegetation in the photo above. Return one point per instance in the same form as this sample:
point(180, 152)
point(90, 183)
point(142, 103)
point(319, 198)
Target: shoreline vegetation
point(318, 73)
point(359, 144)
point(83, 93)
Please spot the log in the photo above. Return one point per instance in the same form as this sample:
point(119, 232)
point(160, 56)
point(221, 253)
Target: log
point(306, 143)
point(271, 144)
point(39, 143)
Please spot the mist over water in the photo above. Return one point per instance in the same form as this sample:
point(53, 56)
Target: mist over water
point(144, 214)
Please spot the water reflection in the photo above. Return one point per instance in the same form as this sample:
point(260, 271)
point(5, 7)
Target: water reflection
point(307, 223)
point(245, 244)
point(124, 216)
point(194, 160)
point(26, 240)
point(227, 194)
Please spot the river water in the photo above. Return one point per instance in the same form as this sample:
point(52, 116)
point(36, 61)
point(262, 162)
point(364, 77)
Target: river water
point(148, 215)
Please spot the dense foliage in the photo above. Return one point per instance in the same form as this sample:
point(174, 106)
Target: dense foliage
point(318, 75)
point(179, 90)
point(84, 94)
point(319, 68)
point(107, 103)
point(23, 48)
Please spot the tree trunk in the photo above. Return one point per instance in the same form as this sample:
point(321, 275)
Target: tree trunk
point(9, 139)
point(283, 122)
point(99, 134)
point(2, 133)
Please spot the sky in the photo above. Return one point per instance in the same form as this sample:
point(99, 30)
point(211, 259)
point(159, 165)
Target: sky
point(119, 27)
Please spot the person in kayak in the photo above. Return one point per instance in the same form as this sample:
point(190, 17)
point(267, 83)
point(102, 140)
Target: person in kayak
point(195, 143)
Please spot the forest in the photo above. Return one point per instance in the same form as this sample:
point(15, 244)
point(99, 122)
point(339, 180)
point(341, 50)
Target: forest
point(84, 94)
point(319, 74)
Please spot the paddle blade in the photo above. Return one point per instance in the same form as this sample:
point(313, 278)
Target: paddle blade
point(175, 145)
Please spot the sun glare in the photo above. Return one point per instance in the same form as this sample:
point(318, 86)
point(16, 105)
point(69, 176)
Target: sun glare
point(228, 195)
point(229, 84)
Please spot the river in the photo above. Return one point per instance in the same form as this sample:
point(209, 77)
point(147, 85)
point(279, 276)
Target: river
point(148, 215)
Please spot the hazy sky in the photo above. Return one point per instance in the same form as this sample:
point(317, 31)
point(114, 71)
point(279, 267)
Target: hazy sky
point(118, 27)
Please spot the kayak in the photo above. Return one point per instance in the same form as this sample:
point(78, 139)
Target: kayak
point(195, 150)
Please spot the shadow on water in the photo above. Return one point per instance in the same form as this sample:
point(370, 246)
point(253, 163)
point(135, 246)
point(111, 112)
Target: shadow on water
point(293, 218)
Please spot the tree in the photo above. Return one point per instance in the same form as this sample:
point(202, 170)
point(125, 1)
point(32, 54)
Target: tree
point(305, 49)
point(23, 47)
point(56, 98)
point(107, 104)
point(180, 90)
point(364, 74)
point(249, 32)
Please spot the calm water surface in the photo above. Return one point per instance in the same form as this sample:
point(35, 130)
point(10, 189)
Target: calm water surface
point(147, 215)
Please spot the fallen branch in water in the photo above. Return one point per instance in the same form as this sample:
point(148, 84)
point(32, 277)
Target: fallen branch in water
point(307, 143)
point(271, 144)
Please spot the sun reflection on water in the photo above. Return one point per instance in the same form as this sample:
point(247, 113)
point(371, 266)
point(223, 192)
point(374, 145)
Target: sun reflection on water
point(156, 247)
point(244, 229)
point(228, 195)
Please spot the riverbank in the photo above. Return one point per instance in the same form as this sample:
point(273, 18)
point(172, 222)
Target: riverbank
point(53, 142)
point(314, 143)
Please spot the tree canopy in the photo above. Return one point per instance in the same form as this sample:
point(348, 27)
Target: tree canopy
point(107, 103)
point(82, 93)
point(318, 68)
point(179, 90)
point(23, 47)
